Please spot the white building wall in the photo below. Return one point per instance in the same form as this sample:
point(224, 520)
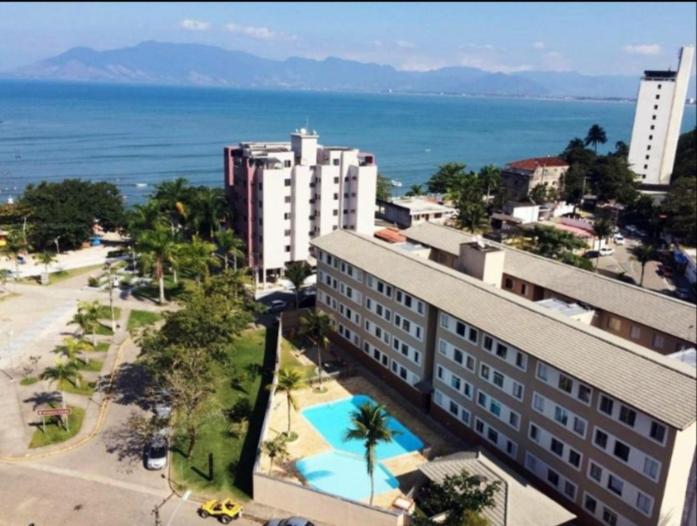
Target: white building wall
point(365, 202)
point(274, 225)
point(676, 488)
point(326, 188)
point(301, 211)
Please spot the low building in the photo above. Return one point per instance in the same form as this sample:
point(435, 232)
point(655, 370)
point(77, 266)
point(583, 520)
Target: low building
point(526, 212)
point(520, 177)
point(409, 211)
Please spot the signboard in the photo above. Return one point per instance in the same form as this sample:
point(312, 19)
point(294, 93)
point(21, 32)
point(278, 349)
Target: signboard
point(54, 412)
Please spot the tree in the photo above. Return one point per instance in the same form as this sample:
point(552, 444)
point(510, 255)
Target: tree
point(574, 185)
point(611, 179)
point(143, 217)
point(316, 326)
point(230, 245)
point(197, 256)
point(383, 190)
point(370, 423)
point(460, 496)
point(538, 195)
point(71, 348)
point(289, 380)
point(158, 245)
point(4, 276)
point(552, 243)
point(62, 372)
point(621, 149)
point(69, 210)
point(596, 135)
point(576, 153)
point(680, 206)
point(448, 176)
point(415, 190)
point(111, 273)
point(275, 449)
point(46, 258)
point(172, 197)
point(490, 179)
point(207, 207)
point(685, 157)
point(643, 254)
point(296, 272)
point(14, 246)
point(470, 203)
point(87, 318)
point(601, 230)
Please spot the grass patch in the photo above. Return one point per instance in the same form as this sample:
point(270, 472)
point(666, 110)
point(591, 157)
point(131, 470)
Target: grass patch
point(289, 360)
point(233, 455)
point(103, 330)
point(101, 347)
point(151, 291)
point(105, 312)
point(85, 388)
point(92, 365)
point(55, 432)
point(141, 318)
point(28, 380)
point(61, 275)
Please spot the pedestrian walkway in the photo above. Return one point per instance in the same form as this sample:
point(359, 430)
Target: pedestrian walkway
point(13, 439)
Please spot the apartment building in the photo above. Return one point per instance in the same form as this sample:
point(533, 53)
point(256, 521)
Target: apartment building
point(283, 194)
point(520, 177)
point(659, 110)
point(653, 320)
point(603, 425)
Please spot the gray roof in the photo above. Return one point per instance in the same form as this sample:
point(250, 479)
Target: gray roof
point(439, 468)
point(652, 309)
point(654, 384)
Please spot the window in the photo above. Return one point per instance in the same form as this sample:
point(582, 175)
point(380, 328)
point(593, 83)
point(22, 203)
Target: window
point(498, 379)
point(439, 372)
point(501, 351)
point(513, 419)
point(458, 356)
point(609, 517)
point(534, 432)
point(557, 447)
point(520, 360)
point(569, 489)
point(287, 248)
point(560, 415)
point(481, 399)
point(508, 283)
point(658, 432)
point(523, 289)
point(484, 371)
point(615, 323)
point(479, 426)
point(454, 409)
point(579, 426)
point(444, 320)
point(286, 216)
point(635, 332)
point(552, 476)
point(628, 416)
point(455, 382)
point(492, 435)
point(658, 97)
point(517, 390)
point(584, 393)
point(590, 504)
point(495, 408)
point(488, 343)
point(615, 485)
point(538, 402)
point(574, 458)
point(472, 335)
point(643, 503)
point(286, 182)
point(606, 405)
point(600, 438)
point(542, 371)
point(565, 383)
point(658, 341)
point(596, 472)
point(651, 468)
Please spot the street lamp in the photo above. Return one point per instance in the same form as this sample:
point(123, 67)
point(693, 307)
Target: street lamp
point(57, 247)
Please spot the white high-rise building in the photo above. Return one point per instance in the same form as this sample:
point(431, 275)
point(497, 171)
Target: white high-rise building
point(657, 121)
point(283, 194)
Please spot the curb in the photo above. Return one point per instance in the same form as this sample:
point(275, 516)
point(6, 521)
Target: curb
point(100, 421)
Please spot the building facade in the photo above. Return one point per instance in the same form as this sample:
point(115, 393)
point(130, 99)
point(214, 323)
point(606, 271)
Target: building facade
point(520, 177)
point(283, 194)
point(601, 424)
point(410, 211)
point(657, 120)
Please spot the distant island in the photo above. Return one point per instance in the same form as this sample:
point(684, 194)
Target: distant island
point(159, 63)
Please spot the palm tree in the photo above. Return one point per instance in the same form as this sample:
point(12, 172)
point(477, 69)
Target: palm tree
point(370, 424)
point(596, 135)
point(111, 272)
point(289, 380)
point(62, 372)
point(643, 254)
point(275, 448)
point(206, 210)
point(143, 217)
point(230, 245)
point(197, 256)
point(414, 190)
point(490, 177)
point(316, 326)
point(4, 276)
point(71, 348)
point(46, 258)
point(296, 272)
point(601, 229)
point(172, 198)
point(158, 245)
point(87, 318)
point(15, 244)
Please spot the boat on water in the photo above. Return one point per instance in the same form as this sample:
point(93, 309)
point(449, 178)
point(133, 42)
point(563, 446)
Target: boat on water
point(141, 185)
point(396, 183)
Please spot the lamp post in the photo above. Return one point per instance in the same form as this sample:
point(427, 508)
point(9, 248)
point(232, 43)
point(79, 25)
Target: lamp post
point(57, 246)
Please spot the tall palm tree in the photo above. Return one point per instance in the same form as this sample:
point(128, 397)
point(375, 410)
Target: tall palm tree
point(172, 198)
point(596, 135)
point(87, 318)
point(46, 258)
point(230, 245)
point(316, 326)
point(601, 230)
point(143, 217)
point(71, 348)
point(289, 380)
point(643, 254)
point(490, 177)
point(370, 423)
point(207, 209)
point(62, 371)
point(158, 245)
point(296, 272)
point(15, 244)
point(197, 256)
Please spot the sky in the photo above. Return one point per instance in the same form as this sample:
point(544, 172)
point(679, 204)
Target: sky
point(591, 38)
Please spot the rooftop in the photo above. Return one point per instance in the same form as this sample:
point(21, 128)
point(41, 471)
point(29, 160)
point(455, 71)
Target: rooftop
point(568, 309)
point(419, 205)
point(657, 385)
point(532, 164)
point(652, 309)
point(391, 235)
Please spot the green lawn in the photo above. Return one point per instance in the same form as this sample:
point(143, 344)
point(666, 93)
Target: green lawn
point(101, 347)
point(141, 318)
point(86, 388)
point(288, 360)
point(105, 313)
point(152, 290)
point(104, 330)
point(28, 380)
point(61, 275)
point(55, 432)
point(233, 456)
point(92, 365)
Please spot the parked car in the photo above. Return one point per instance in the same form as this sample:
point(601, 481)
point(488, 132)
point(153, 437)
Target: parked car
point(224, 510)
point(290, 521)
point(277, 306)
point(163, 404)
point(606, 251)
point(156, 452)
point(619, 239)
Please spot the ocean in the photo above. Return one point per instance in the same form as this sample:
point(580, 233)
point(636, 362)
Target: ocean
point(136, 136)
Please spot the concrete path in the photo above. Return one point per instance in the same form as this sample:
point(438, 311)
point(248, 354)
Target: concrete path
point(13, 436)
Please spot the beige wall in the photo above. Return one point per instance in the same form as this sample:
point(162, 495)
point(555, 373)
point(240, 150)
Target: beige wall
point(678, 476)
point(320, 507)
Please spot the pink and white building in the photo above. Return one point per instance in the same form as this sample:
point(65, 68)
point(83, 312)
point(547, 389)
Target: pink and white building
point(283, 194)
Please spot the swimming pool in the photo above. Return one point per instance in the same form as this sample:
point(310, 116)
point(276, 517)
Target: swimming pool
point(332, 420)
point(345, 475)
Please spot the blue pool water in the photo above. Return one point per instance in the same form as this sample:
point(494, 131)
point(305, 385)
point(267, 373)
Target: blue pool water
point(345, 475)
point(333, 419)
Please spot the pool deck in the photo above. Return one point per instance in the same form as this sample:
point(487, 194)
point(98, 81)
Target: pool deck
point(310, 442)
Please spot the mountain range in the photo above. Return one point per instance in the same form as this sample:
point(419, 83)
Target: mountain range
point(160, 63)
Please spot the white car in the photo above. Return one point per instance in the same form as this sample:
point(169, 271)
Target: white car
point(292, 521)
point(619, 239)
point(606, 251)
point(156, 452)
